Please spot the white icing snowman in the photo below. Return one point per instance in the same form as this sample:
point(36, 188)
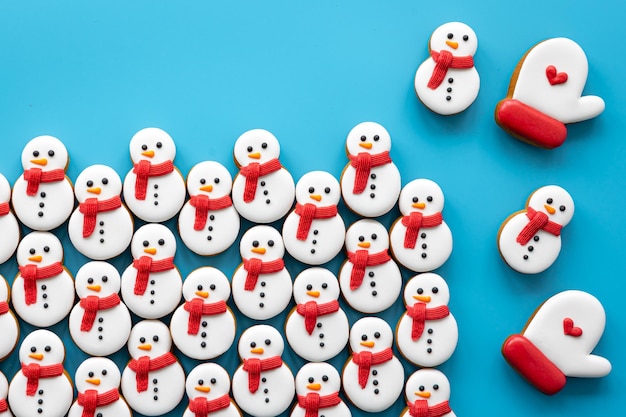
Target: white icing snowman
point(8, 223)
point(99, 323)
point(207, 387)
point(101, 227)
point(314, 232)
point(428, 393)
point(43, 290)
point(154, 190)
point(447, 82)
point(530, 240)
point(427, 333)
point(317, 388)
point(152, 285)
point(208, 223)
point(317, 328)
point(153, 382)
point(370, 280)
point(420, 240)
point(203, 327)
point(261, 284)
point(372, 377)
point(41, 387)
point(263, 191)
point(370, 183)
point(263, 385)
point(9, 328)
point(43, 197)
point(97, 382)
point(4, 390)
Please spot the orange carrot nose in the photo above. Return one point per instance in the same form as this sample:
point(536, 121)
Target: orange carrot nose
point(260, 251)
point(255, 155)
point(41, 161)
point(257, 351)
point(36, 356)
point(364, 244)
point(36, 258)
point(203, 294)
point(368, 344)
point(313, 293)
point(149, 154)
point(94, 381)
point(95, 288)
point(94, 190)
point(452, 44)
point(549, 209)
point(423, 298)
point(420, 205)
point(314, 387)
point(423, 394)
point(207, 188)
point(200, 388)
point(316, 197)
point(145, 347)
point(151, 251)
point(366, 145)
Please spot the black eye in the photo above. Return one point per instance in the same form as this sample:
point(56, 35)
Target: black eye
point(199, 287)
point(161, 242)
point(33, 349)
point(311, 380)
point(374, 236)
point(309, 287)
point(420, 291)
point(264, 145)
point(465, 38)
point(363, 138)
point(364, 337)
point(105, 181)
point(435, 290)
point(201, 382)
point(202, 181)
point(253, 345)
point(255, 243)
point(324, 285)
point(90, 374)
point(268, 342)
point(142, 340)
point(159, 145)
point(376, 137)
point(415, 199)
point(377, 335)
point(327, 190)
point(450, 36)
point(435, 387)
point(146, 243)
point(155, 338)
point(270, 243)
point(46, 249)
point(90, 281)
point(213, 381)
point(429, 198)
point(50, 153)
point(89, 183)
point(32, 251)
point(325, 378)
point(105, 278)
point(249, 148)
point(562, 208)
point(144, 147)
point(47, 348)
point(104, 372)
point(361, 238)
point(35, 154)
point(212, 287)
point(549, 201)
point(216, 180)
point(421, 388)
point(311, 190)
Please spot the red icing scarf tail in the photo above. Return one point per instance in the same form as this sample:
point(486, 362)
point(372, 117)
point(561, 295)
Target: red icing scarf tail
point(92, 304)
point(35, 176)
point(4, 307)
point(361, 259)
point(4, 209)
point(144, 266)
point(255, 366)
point(366, 359)
point(420, 408)
point(3, 405)
point(419, 313)
point(90, 400)
point(31, 273)
point(312, 402)
point(445, 60)
point(144, 365)
point(537, 220)
point(144, 170)
point(309, 212)
point(253, 172)
point(363, 163)
point(33, 372)
point(256, 267)
point(90, 209)
point(204, 204)
point(197, 308)
point(414, 222)
point(201, 407)
point(312, 310)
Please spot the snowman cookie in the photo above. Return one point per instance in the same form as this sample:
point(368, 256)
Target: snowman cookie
point(101, 227)
point(557, 342)
point(9, 327)
point(428, 394)
point(447, 82)
point(99, 323)
point(370, 183)
point(420, 239)
point(154, 189)
point(208, 223)
point(8, 223)
point(530, 240)
point(4, 390)
point(317, 389)
point(43, 197)
point(317, 328)
point(207, 387)
point(314, 232)
point(545, 94)
point(370, 280)
point(43, 290)
point(203, 327)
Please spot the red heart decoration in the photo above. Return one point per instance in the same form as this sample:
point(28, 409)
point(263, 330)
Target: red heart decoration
point(569, 329)
point(554, 77)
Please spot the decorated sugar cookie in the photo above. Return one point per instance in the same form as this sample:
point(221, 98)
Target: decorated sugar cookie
point(43, 197)
point(372, 377)
point(203, 327)
point(447, 82)
point(43, 290)
point(41, 387)
point(530, 240)
point(8, 223)
point(4, 390)
point(420, 239)
point(99, 323)
point(317, 328)
point(428, 394)
point(261, 284)
point(154, 190)
point(208, 223)
point(314, 232)
point(263, 385)
point(101, 227)
point(9, 328)
point(370, 183)
point(557, 342)
point(427, 333)
point(317, 389)
point(207, 387)
point(370, 280)
point(97, 382)
point(545, 94)
point(152, 285)
point(153, 382)
point(263, 191)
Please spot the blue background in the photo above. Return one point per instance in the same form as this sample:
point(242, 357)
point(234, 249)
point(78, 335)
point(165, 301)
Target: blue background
point(93, 73)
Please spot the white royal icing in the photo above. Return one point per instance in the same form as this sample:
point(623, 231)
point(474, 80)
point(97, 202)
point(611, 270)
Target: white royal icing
point(8, 223)
point(322, 379)
point(210, 381)
point(9, 328)
point(428, 385)
point(4, 390)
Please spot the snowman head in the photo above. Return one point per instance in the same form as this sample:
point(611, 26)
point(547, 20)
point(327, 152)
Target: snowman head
point(97, 181)
point(39, 248)
point(262, 242)
point(150, 338)
point(208, 380)
point(428, 384)
point(209, 178)
point(153, 145)
point(207, 283)
point(315, 284)
point(317, 377)
point(43, 348)
point(370, 334)
point(4, 386)
point(5, 189)
point(100, 374)
point(97, 278)
point(455, 37)
point(368, 235)
point(46, 153)
point(427, 288)
point(153, 240)
point(319, 188)
point(257, 145)
point(368, 137)
point(421, 195)
point(261, 342)
point(555, 202)
point(4, 289)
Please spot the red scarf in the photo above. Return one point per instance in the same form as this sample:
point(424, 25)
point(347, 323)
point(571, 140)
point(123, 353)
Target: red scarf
point(201, 407)
point(35, 176)
point(4, 209)
point(254, 367)
point(414, 222)
point(361, 259)
point(144, 170)
point(33, 372)
point(31, 273)
point(308, 212)
point(92, 304)
point(420, 408)
point(419, 313)
point(538, 220)
point(90, 400)
point(312, 402)
point(144, 266)
point(3, 405)
point(204, 204)
point(363, 163)
point(255, 267)
point(197, 308)
point(4, 307)
point(312, 310)
point(366, 359)
point(445, 60)
point(252, 172)
point(90, 209)
point(144, 365)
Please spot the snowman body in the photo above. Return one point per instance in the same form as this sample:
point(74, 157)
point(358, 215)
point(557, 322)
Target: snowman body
point(210, 382)
point(428, 391)
point(8, 223)
point(4, 390)
point(319, 380)
point(9, 328)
